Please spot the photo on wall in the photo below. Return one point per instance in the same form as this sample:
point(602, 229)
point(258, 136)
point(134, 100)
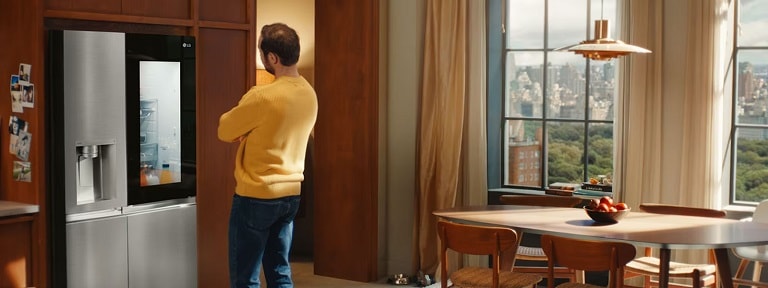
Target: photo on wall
point(22, 171)
point(15, 125)
point(22, 145)
point(16, 95)
point(28, 95)
point(25, 73)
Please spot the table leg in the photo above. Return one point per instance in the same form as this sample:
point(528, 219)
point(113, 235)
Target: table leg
point(723, 268)
point(664, 256)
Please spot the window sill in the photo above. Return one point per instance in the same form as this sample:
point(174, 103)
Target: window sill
point(493, 194)
point(516, 191)
point(739, 211)
point(531, 192)
point(733, 211)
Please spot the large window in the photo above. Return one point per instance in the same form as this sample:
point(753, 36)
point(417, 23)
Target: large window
point(750, 103)
point(557, 108)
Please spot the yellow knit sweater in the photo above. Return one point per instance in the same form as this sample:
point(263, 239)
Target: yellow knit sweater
point(273, 123)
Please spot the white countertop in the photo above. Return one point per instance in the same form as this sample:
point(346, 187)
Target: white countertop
point(10, 208)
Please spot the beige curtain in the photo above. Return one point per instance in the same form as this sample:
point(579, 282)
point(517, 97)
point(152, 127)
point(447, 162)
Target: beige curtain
point(658, 104)
point(701, 169)
point(441, 121)
point(675, 107)
point(639, 138)
point(475, 144)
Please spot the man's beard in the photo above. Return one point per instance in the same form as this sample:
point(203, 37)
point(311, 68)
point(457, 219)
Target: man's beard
point(269, 68)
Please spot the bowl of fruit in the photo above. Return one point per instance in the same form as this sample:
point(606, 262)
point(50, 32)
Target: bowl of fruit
point(604, 210)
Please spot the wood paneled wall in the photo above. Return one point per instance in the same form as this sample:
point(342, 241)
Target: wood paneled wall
point(21, 35)
point(346, 139)
point(215, 157)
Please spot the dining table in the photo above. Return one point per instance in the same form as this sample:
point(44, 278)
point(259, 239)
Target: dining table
point(663, 231)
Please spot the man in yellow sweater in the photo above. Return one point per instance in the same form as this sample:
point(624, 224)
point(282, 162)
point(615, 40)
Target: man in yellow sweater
point(272, 124)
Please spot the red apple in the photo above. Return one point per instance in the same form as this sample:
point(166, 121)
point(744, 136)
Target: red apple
point(606, 200)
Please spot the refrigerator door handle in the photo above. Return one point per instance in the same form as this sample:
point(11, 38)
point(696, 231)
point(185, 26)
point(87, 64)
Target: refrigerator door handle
point(160, 205)
point(75, 217)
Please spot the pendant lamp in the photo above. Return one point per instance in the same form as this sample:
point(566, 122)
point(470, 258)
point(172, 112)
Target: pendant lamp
point(602, 47)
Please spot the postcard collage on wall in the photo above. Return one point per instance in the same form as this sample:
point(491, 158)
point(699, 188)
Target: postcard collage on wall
point(22, 97)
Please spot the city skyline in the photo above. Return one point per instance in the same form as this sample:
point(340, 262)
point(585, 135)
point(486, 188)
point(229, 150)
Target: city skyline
point(566, 94)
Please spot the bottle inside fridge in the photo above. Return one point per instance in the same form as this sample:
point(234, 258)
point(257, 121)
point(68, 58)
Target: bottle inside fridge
point(165, 174)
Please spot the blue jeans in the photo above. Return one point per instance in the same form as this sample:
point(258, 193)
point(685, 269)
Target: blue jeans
point(261, 230)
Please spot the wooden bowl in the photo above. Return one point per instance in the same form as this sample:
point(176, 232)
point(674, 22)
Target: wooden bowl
point(606, 217)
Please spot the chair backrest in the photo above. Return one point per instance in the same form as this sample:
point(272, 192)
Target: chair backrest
point(475, 240)
point(681, 210)
point(588, 256)
point(540, 200)
point(761, 212)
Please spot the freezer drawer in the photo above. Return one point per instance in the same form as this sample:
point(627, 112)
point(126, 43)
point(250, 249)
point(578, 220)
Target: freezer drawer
point(162, 244)
point(96, 253)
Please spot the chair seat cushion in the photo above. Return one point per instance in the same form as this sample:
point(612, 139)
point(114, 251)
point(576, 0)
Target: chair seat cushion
point(651, 265)
point(476, 277)
point(531, 252)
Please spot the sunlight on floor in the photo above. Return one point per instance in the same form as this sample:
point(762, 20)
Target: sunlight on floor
point(303, 276)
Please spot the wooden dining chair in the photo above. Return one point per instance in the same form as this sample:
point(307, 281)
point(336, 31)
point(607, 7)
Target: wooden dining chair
point(480, 240)
point(536, 254)
point(647, 266)
point(758, 255)
point(587, 255)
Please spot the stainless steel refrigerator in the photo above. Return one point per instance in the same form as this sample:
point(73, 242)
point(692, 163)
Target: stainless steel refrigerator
point(121, 120)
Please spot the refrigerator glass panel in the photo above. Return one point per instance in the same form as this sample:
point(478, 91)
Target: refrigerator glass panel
point(159, 105)
point(160, 127)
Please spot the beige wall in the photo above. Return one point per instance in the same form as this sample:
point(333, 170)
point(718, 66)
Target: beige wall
point(405, 33)
point(300, 15)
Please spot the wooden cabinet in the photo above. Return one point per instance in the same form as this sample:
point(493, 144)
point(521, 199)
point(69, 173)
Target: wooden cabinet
point(230, 11)
point(177, 9)
point(16, 240)
point(93, 6)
